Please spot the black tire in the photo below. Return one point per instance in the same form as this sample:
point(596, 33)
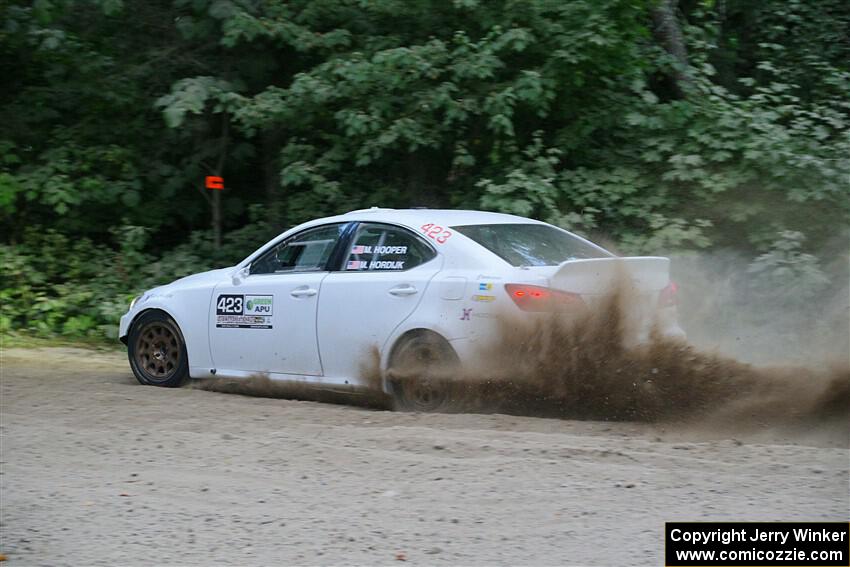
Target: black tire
point(422, 374)
point(157, 351)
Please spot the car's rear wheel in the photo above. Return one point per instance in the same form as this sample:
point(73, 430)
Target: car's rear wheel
point(157, 351)
point(423, 374)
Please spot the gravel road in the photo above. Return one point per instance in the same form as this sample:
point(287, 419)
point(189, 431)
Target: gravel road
point(98, 470)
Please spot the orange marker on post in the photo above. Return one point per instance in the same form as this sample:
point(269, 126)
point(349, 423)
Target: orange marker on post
point(215, 182)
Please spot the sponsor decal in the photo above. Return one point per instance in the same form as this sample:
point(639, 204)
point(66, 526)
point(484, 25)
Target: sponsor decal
point(466, 314)
point(485, 286)
point(259, 304)
point(361, 249)
point(397, 250)
point(386, 265)
point(374, 265)
point(483, 298)
point(436, 232)
point(244, 311)
point(242, 322)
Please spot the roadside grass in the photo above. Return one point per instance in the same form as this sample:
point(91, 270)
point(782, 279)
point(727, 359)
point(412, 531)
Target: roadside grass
point(23, 340)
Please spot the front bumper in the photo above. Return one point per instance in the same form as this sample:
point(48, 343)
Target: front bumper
point(124, 327)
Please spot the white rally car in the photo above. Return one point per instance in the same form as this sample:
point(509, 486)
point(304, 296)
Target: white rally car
point(314, 304)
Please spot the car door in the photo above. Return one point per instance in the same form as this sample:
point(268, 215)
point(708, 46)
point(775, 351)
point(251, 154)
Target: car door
point(266, 320)
point(383, 277)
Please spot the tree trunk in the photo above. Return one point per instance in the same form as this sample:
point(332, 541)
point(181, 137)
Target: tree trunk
point(216, 200)
point(271, 171)
point(216, 218)
point(668, 33)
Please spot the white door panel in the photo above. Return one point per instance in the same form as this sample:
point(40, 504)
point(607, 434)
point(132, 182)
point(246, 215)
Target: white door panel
point(267, 323)
point(384, 277)
point(359, 311)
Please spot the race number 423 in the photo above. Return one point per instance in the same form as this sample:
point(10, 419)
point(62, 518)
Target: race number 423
point(436, 232)
point(230, 305)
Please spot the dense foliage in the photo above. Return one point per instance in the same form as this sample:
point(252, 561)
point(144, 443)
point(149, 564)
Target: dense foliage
point(662, 126)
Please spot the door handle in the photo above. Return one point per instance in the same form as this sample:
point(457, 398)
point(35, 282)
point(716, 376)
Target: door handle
point(303, 292)
point(402, 290)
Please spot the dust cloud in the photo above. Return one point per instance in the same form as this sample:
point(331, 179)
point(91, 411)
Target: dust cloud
point(758, 360)
point(796, 378)
point(580, 367)
point(781, 317)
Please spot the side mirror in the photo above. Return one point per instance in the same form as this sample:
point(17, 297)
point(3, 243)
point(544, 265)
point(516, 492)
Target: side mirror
point(239, 275)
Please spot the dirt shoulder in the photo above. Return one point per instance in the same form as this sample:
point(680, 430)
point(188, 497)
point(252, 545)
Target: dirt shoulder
point(99, 470)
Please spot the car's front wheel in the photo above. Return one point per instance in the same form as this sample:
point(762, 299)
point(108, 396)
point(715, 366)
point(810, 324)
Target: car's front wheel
point(157, 352)
point(423, 374)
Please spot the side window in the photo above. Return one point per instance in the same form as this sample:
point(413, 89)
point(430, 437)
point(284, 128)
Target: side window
point(307, 251)
point(385, 248)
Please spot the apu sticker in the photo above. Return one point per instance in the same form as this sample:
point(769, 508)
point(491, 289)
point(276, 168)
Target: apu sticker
point(259, 304)
point(244, 311)
point(483, 298)
point(485, 286)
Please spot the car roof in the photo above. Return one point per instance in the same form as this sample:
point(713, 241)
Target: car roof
point(443, 217)
point(410, 218)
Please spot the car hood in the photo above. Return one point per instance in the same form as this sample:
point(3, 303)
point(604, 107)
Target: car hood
point(195, 280)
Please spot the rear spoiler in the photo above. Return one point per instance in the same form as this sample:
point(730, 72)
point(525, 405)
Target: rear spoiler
point(603, 275)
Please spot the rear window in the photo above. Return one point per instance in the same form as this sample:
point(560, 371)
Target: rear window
point(531, 244)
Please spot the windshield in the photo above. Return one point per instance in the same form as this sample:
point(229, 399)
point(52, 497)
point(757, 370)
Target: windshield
point(531, 244)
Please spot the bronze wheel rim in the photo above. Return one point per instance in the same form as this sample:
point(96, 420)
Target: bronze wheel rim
point(158, 351)
point(424, 395)
point(422, 390)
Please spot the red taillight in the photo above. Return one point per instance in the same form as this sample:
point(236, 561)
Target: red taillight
point(668, 296)
point(536, 298)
